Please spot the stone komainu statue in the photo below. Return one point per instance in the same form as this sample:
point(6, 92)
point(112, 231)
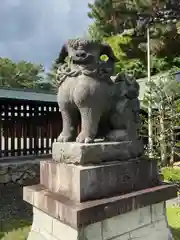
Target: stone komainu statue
point(87, 89)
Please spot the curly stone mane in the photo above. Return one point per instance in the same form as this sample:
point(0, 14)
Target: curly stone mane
point(79, 43)
point(99, 70)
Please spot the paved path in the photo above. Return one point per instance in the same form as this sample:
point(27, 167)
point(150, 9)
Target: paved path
point(173, 202)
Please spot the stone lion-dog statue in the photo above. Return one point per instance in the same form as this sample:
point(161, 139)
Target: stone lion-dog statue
point(87, 91)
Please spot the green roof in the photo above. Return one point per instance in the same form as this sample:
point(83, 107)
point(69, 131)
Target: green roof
point(28, 95)
point(44, 96)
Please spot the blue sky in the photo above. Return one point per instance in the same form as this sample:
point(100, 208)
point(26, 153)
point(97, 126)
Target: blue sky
point(34, 30)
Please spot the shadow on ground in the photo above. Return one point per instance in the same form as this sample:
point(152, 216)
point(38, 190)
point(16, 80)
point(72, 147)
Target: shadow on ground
point(176, 233)
point(14, 212)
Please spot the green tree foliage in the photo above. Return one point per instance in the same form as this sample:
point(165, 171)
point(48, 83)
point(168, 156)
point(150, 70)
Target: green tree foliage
point(51, 75)
point(94, 33)
point(112, 18)
point(132, 59)
point(21, 74)
point(132, 66)
point(163, 94)
point(178, 110)
point(45, 86)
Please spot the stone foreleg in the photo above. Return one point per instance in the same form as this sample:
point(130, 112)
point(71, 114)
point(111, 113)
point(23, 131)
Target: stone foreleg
point(90, 118)
point(70, 122)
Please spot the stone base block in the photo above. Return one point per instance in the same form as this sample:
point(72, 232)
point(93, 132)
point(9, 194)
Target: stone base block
point(79, 215)
point(84, 183)
point(80, 153)
point(144, 223)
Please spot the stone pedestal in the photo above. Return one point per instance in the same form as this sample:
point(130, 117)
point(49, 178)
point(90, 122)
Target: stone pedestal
point(115, 200)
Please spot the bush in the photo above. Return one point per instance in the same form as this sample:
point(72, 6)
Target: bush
point(172, 175)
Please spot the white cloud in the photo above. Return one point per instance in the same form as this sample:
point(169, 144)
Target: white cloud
point(35, 30)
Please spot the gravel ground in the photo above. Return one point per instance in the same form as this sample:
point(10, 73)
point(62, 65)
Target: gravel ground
point(12, 205)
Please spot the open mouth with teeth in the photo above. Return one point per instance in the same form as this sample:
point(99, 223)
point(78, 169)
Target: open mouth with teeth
point(83, 58)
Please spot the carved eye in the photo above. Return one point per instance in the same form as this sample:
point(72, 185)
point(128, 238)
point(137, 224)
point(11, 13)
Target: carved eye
point(104, 58)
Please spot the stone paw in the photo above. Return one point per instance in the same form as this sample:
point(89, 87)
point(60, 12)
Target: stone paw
point(65, 138)
point(83, 138)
